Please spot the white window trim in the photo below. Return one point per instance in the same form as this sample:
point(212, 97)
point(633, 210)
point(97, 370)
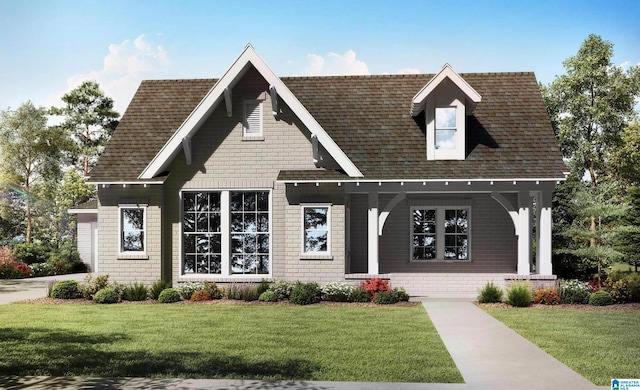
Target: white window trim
point(245, 134)
point(460, 138)
point(319, 255)
point(121, 252)
point(225, 220)
point(440, 234)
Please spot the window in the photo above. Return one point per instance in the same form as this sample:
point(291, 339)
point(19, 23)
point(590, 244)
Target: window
point(440, 233)
point(226, 233)
point(132, 227)
point(252, 118)
point(316, 229)
point(445, 128)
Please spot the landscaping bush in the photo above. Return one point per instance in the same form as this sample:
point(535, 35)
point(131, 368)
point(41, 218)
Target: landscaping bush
point(106, 295)
point(282, 289)
point(42, 269)
point(546, 296)
point(626, 289)
point(157, 287)
point(263, 286)
point(168, 295)
point(187, 289)
point(401, 293)
point(519, 294)
point(600, 298)
point(268, 296)
point(92, 285)
point(214, 291)
point(66, 289)
point(305, 293)
point(385, 298)
point(135, 292)
point(66, 259)
point(574, 292)
point(490, 293)
point(31, 253)
point(10, 267)
point(372, 286)
point(243, 291)
point(200, 295)
point(337, 292)
point(359, 295)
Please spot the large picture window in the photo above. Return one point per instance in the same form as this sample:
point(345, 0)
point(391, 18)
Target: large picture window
point(132, 229)
point(440, 233)
point(226, 233)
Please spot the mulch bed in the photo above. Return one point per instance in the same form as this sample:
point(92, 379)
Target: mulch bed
point(620, 306)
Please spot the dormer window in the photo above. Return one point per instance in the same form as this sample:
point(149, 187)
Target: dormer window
point(445, 128)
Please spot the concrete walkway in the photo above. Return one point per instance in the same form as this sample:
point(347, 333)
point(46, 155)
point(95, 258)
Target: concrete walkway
point(488, 354)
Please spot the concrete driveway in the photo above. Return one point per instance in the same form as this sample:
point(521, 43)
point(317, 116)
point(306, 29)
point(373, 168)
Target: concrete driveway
point(15, 290)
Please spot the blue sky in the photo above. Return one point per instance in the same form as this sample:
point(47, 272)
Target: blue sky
point(49, 47)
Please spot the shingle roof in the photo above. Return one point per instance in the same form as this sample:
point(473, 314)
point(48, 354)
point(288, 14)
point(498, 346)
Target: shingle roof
point(508, 136)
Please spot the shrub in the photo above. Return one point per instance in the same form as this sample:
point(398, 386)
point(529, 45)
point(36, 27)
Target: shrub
point(66, 259)
point(626, 289)
point(243, 291)
point(282, 289)
point(42, 269)
point(401, 293)
point(187, 289)
point(305, 293)
point(200, 295)
point(600, 298)
point(359, 295)
point(268, 296)
point(31, 253)
point(157, 287)
point(10, 267)
point(106, 295)
point(385, 298)
point(263, 286)
point(66, 289)
point(168, 295)
point(519, 294)
point(337, 292)
point(372, 286)
point(214, 291)
point(135, 292)
point(490, 293)
point(574, 292)
point(546, 296)
point(92, 285)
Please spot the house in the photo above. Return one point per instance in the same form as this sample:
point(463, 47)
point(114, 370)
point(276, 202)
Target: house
point(427, 180)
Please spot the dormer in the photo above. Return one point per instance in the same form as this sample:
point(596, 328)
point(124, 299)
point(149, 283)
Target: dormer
point(446, 100)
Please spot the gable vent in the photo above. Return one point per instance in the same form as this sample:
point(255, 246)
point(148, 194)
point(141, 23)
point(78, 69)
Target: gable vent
point(253, 118)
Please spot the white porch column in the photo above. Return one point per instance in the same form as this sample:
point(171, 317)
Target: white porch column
point(372, 234)
point(545, 223)
point(524, 230)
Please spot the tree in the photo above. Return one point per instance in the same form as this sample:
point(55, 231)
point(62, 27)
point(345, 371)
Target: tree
point(629, 241)
point(30, 152)
point(90, 119)
point(626, 157)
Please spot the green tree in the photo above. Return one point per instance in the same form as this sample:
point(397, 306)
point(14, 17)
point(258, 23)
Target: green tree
point(30, 152)
point(626, 157)
point(629, 241)
point(90, 120)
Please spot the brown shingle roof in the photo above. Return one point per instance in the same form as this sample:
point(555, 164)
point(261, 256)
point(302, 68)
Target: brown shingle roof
point(508, 136)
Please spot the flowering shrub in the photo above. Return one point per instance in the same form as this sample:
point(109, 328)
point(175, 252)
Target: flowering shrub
point(187, 289)
point(282, 289)
point(92, 285)
point(375, 285)
point(575, 292)
point(200, 295)
point(42, 269)
point(546, 296)
point(10, 268)
point(337, 292)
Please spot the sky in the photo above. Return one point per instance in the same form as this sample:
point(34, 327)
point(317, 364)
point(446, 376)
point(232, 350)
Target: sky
point(48, 47)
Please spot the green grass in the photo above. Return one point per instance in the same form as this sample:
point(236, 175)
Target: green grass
point(598, 344)
point(328, 343)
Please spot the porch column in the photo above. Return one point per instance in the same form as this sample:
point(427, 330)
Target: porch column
point(524, 236)
point(372, 234)
point(545, 223)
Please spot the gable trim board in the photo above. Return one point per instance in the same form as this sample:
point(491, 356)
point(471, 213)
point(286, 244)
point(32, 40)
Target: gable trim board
point(249, 57)
point(308, 156)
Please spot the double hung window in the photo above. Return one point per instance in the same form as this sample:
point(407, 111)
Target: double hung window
point(132, 229)
point(316, 229)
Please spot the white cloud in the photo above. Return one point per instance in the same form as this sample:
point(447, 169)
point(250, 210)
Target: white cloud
point(124, 67)
point(336, 64)
point(408, 71)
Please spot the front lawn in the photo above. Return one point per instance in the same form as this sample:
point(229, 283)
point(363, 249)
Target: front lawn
point(274, 342)
point(598, 344)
